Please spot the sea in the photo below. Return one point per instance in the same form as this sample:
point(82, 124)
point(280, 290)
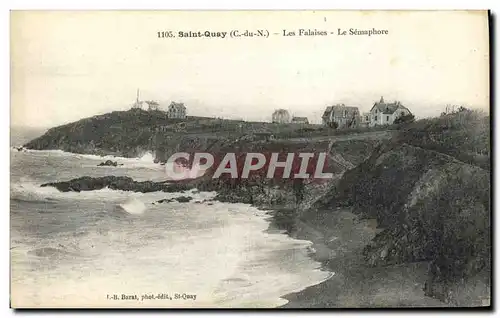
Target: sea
point(117, 249)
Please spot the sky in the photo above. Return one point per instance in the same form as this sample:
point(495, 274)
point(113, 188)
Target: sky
point(69, 65)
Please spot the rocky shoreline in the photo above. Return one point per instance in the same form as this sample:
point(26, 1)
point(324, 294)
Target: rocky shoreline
point(411, 228)
point(427, 189)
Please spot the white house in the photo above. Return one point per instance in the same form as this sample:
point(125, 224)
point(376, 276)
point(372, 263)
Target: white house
point(152, 105)
point(148, 105)
point(383, 113)
point(176, 110)
point(281, 116)
point(141, 105)
point(341, 116)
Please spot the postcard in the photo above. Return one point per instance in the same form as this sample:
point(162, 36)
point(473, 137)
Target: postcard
point(250, 159)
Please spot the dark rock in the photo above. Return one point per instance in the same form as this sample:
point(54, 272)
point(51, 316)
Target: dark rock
point(165, 201)
point(117, 183)
point(181, 199)
point(108, 163)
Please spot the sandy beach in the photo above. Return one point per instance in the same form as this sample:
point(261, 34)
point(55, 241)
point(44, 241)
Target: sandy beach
point(339, 237)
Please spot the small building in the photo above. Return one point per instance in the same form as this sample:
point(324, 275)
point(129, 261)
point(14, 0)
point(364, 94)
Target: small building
point(365, 120)
point(300, 120)
point(152, 105)
point(139, 104)
point(341, 116)
point(383, 113)
point(176, 110)
point(281, 116)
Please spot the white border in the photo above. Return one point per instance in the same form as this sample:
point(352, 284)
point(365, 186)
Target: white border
point(255, 4)
point(494, 5)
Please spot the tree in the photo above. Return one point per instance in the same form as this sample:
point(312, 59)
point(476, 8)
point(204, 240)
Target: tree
point(405, 119)
point(298, 189)
point(352, 121)
point(333, 125)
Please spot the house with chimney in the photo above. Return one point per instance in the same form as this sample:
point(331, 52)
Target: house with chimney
point(176, 110)
point(341, 116)
point(383, 113)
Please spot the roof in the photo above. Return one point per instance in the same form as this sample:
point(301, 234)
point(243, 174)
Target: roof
point(339, 108)
point(387, 108)
point(174, 104)
point(280, 111)
point(299, 118)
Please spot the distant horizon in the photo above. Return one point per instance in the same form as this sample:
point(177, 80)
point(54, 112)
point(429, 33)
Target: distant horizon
point(427, 60)
point(164, 104)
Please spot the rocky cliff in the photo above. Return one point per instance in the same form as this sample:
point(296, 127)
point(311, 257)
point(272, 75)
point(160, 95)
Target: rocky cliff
point(431, 206)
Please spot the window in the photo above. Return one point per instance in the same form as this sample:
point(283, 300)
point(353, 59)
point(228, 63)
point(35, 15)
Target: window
point(345, 113)
point(366, 118)
point(387, 118)
point(375, 118)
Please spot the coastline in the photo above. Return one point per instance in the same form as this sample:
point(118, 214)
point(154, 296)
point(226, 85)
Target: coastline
point(338, 240)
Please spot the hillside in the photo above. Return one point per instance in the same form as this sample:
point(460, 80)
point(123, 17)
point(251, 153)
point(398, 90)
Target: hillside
point(430, 195)
point(133, 132)
point(125, 133)
point(463, 135)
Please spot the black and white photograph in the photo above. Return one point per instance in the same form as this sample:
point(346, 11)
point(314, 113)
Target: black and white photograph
point(250, 159)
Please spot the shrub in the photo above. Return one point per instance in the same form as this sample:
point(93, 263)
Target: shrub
point(333, 125)
point(409, 118)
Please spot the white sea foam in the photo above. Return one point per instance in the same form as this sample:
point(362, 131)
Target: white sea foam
point(145, 159)
point(230, 261)
point(29, 190)
point(77, 251)
point(134, 206)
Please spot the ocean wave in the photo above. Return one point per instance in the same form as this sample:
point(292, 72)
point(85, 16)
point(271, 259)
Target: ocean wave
point(145, 159)
point(133, 206)
point(29, 190)
point(256, 270)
